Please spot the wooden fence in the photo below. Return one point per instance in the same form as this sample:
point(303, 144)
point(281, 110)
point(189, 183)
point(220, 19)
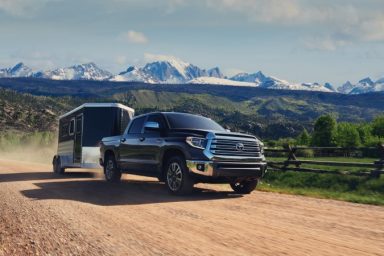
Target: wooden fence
point(374, 169)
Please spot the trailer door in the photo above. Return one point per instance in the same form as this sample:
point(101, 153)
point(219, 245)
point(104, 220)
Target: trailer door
point(78, 139)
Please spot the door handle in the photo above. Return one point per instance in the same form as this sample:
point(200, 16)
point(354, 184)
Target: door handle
point(142, 139)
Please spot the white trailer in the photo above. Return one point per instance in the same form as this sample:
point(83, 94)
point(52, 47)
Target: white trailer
point(81, 130)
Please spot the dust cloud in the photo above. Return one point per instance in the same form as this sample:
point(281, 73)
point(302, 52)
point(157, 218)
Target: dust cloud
point(30, 152)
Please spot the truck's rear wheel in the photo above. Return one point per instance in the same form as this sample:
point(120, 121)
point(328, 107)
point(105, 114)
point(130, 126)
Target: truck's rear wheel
point(177, 177)
point(244, 187)
point(57, 165)
point(111, 172)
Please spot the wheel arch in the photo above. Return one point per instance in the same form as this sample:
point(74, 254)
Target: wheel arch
point(109, 152)
point(168, 153)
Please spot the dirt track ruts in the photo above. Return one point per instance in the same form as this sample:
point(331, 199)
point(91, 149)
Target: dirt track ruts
point(80, 214)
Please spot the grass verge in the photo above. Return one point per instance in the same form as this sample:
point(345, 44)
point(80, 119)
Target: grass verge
point(364, 190)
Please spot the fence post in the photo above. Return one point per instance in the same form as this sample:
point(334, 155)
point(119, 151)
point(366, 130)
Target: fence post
point(380, 164)
point(291, 155)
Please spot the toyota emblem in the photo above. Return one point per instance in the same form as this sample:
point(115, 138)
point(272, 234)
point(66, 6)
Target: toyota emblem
point(239, 146)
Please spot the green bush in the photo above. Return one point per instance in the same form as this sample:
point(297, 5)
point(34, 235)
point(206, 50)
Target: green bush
point(307, 153)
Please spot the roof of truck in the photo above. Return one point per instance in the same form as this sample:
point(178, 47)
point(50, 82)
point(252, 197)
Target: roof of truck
point(98, 105)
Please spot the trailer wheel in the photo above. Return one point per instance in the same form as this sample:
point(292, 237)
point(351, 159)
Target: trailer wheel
point(244, 187)
point(111, 172)
point(57, 165)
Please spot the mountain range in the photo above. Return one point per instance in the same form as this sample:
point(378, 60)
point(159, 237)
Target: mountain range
point(175, 71)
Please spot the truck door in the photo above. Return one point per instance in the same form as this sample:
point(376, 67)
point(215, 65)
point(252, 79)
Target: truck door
point(78, 139)
point(151, 143)
point(130, 150)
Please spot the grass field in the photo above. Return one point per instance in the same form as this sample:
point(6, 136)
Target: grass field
point(342, 187)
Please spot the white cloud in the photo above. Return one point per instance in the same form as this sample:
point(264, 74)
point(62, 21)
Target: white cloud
point(260, 10)
point(336, 23)
point(23, 7)
point(372, 29)
point(135, 37)
point(326, 43)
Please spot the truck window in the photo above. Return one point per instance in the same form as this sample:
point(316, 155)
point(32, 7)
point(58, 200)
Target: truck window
point(137, 125)
point(186, 121)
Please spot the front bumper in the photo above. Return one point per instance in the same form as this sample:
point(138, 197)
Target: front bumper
point(227, 168)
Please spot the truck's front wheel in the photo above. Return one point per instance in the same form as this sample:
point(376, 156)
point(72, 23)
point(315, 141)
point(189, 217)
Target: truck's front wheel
point(244, 187)
point(111, 172)
point(177, 176)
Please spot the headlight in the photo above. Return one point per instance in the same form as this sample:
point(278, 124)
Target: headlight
point(196, 142)
point(261, 145)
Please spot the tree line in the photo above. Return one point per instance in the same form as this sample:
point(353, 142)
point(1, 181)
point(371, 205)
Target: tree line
point(327, 132)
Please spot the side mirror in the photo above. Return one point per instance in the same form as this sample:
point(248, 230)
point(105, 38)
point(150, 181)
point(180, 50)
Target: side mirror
point(152, 126)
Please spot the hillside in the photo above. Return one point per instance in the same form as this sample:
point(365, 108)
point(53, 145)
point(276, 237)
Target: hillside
point(34, 104)
point(29, 113)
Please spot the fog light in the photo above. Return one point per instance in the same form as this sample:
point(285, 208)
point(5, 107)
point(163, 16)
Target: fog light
point(200, 167)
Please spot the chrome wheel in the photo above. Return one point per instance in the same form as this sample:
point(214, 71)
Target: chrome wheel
point(174, 176)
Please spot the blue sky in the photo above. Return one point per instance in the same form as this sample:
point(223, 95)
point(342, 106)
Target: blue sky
point(295, 40)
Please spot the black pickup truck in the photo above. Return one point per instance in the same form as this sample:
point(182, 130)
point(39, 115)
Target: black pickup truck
point(183, 149)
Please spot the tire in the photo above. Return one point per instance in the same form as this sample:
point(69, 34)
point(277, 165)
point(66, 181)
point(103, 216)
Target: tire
point(57, 165)
point(177, 178)
point(244, 187)
point(111, 172)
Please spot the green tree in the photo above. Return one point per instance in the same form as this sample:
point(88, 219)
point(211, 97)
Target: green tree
point(378, 126)
point(365, 133)
point(347, 135)
point(304, 138)
point(324, 133)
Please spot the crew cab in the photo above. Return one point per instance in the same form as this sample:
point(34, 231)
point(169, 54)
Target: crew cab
point(181, 150)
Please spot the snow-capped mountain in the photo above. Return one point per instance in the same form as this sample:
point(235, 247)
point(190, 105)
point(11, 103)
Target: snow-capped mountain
point(133, 74)
point(215, 72)
point(88, 71)
point(269, 82)
point(363, 86)
point(219, 81)
point(19, 70)
point(330, 87)
point(346, 88)
point(257, 77)
point(171, 70)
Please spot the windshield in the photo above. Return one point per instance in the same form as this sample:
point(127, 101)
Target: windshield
point(188, 121)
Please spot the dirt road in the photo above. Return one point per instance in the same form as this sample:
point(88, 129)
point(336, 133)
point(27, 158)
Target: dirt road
point(80, 214)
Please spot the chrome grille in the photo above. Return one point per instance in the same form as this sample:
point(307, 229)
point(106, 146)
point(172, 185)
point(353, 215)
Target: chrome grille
point(230, 147)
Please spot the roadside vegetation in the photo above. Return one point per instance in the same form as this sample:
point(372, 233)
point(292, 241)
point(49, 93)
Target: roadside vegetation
point(328, 133)
point(341, 187)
